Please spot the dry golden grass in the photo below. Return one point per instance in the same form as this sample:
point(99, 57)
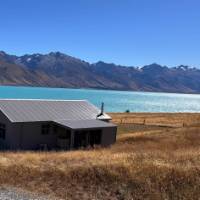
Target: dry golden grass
point(158, 119)
point(147, 162)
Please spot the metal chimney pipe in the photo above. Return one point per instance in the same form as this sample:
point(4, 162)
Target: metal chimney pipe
point(102, 108)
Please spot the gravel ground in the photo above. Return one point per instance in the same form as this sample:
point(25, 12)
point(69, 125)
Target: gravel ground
point(8, 193)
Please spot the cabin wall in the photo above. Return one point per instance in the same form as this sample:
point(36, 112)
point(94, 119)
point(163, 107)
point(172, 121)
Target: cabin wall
point(4, 120)
point(26, 136)
point(13, 136)
point(108, 136)
point(11, 140)
point(32, 137)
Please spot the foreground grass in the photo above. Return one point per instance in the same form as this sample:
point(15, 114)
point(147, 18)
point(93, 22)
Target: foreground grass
point(145, 163)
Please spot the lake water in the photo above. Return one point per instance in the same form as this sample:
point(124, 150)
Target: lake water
point(115, 101)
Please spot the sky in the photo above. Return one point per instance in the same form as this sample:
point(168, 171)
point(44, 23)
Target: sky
point(125, 32)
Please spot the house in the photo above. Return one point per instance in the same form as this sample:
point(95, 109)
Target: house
point(53, 124)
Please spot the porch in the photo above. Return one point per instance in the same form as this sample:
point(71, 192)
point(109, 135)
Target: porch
point(79, 134)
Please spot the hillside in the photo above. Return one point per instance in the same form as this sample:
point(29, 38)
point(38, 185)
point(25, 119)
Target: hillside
point(59, 70)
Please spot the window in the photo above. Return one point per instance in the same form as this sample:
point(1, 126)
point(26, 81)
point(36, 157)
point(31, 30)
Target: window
point(45, 129)
point(2, 131)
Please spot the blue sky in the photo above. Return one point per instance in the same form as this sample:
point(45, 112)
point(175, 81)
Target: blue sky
point(126, 32)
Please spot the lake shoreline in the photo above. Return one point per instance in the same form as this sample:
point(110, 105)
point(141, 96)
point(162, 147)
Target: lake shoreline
point(99, 89)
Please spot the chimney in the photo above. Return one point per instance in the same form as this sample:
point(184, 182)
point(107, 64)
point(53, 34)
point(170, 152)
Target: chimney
point(102, 110)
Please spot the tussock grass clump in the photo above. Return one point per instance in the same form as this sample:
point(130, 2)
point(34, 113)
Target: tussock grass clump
point(145, 163)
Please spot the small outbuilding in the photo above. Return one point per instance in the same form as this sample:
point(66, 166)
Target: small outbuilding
point(53, 125)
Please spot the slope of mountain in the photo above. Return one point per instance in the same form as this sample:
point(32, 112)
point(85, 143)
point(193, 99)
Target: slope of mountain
point(59, 70)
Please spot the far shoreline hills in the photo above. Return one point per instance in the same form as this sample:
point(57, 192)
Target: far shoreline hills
point(59, 70)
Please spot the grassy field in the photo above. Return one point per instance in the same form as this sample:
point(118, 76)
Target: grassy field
point(152, 159)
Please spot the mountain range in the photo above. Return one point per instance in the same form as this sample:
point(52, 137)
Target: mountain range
point(60, 70)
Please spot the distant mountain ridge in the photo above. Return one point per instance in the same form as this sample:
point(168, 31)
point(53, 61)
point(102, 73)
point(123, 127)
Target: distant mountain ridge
point(60, 70)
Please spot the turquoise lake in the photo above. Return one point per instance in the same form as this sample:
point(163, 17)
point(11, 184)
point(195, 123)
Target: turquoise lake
point(115, 101)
